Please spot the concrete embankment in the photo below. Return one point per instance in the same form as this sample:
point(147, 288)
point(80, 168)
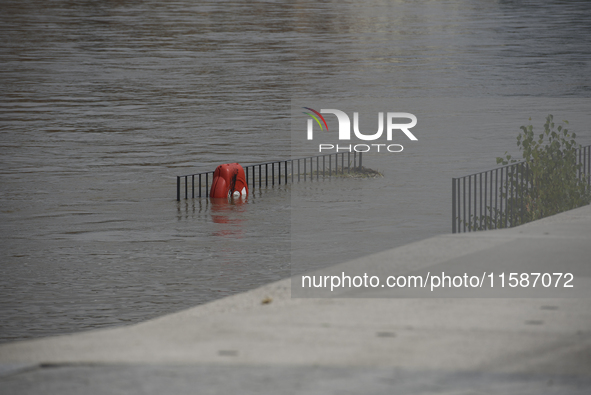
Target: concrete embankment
point(266, 342)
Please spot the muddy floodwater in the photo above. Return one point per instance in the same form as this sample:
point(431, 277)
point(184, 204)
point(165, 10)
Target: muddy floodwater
point(103, 104)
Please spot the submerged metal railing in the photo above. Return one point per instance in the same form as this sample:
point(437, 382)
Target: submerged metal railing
point(293, 169)
point(497, 198)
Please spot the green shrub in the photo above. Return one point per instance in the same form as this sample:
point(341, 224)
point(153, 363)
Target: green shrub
point(547, 181)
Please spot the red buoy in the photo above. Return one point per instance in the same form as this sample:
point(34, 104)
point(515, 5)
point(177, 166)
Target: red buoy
point(228, 180)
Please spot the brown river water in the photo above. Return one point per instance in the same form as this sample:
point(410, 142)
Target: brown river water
point(103, 104)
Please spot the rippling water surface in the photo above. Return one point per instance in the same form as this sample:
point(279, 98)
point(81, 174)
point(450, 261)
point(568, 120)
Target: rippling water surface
point(102, 104)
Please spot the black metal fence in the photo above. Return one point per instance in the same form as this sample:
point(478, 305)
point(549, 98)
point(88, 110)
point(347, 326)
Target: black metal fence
point(498, 198)
point(260, 175)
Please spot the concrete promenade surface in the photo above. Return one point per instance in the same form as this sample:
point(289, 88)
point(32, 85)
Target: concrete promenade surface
point(265, 342)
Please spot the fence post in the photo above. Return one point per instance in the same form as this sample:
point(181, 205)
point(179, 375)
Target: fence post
point(475, 201)
point(522, 193)
point(469, 203)
point(480, 196)
point(251, 179)
point(485, 195)
point(589, 165)
point(349, 162)
point(511, 218)
point(464, 201)
point(453, 202)
point(304, 169)
point(491, 200)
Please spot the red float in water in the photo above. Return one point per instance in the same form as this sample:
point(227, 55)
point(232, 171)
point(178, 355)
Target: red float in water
point(228, 180)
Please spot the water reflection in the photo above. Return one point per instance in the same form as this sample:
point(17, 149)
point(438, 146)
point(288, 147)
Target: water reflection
point(104, 102)
point(230, 213)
